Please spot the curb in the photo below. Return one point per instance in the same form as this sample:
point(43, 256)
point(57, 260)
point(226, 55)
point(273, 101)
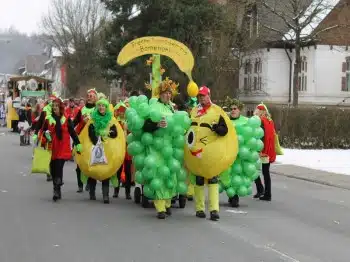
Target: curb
point(325, 183)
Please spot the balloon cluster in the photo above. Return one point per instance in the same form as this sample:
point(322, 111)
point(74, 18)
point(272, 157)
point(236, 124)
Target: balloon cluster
point(158, 157)
point(238, 178)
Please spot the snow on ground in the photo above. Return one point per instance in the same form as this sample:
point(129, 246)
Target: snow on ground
point(331, 160)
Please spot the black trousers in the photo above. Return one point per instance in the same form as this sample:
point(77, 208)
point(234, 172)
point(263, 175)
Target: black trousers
point(267, 181)
point(80, 183)
point(56, 170)
point(127, 170)
point(92, 184)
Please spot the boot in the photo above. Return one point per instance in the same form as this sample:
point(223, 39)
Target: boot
point(258, 194)
point(127, 192)
point(214, 215)
point(105, 193)
point(235, 201)
point(116, 192)
point(161, 215)
point(213, 201)
point(265, 198)
point(56, 193)
point(80, 190)
point(21, 141)
point(48, 178)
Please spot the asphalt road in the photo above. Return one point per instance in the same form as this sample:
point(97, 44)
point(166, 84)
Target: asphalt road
point(304, 222)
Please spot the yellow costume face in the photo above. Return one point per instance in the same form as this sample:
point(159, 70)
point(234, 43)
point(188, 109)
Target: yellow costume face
point(114, 150)
point(206, 153)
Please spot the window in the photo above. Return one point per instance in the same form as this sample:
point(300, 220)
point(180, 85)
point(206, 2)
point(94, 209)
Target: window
point(252, 75)
point(252, 21)
point(345, 83)
point(302, 79)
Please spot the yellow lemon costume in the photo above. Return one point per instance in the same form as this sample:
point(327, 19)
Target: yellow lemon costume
point(211, 147)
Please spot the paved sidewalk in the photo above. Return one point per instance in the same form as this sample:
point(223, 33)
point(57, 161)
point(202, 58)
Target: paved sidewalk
point(312, 175)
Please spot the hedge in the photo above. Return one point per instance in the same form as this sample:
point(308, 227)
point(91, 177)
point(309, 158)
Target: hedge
point(312, 128)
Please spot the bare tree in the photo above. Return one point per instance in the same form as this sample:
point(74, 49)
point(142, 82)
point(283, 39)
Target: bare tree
point(298, 24)
point(74, 28)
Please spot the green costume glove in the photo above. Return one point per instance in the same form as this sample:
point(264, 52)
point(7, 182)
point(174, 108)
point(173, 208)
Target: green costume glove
point(35, 138)
point(48, 136)
point(79, 148)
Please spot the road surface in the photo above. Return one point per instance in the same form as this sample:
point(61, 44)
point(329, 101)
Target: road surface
point(305, 222)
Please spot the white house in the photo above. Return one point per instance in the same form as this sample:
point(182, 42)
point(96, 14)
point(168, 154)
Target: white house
point(324, 78)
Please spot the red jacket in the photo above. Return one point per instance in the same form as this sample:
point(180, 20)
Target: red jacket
point(269, 139)
point(61, 149)
point(72, 112)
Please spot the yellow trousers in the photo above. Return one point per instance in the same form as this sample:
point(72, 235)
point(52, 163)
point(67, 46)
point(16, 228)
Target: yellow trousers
point(190, 191)
point(213, 197)
point(162, 204)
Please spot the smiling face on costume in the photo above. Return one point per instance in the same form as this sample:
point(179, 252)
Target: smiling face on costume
point(101, 109)
point(206, 153)
point(165, 97)
point(56, 108)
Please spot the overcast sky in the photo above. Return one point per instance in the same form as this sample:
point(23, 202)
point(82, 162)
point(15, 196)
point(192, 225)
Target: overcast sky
point(24, 15)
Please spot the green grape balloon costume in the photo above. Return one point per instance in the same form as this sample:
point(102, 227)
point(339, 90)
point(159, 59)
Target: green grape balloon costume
point(238, 179)
point(156, 143)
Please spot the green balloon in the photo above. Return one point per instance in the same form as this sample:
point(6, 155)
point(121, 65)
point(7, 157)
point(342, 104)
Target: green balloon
point(139, 177)
point(248, 132)
point(249, 190)
point(135, 148)
point(230, 192)
point(236, 181)
point(150, 161)
point(155, 115)
point(160, 132)
point(226, 173)
point(170, 124)
point(182, 175)
point(130, 138)
point(130, 111)
point(254, 156)
point(258, 164)
point(143, 110)
point(244, 153)
point(156, 184)
point(254, 122)
point(163, 171)
point(147, 139)
point(133, 101)
point(226, 181)
point(178, 154)
point(259, 145)
point(170, 184)
point(240, 129)
point(240, 140)
point(258, 133)
point(178, 131)
point(182, 188)
point(249, 168)
point(148, 173)
point(142, 99)
point(179, 141)
point(174, 165)
point(186, 123)
point(137, 134)
point(153, 101)
point(139, 161)
point(247, 182)
point(236, 168)
point(242, 191)
point(158, 143)
point(148, 191)
point(167, 152)
point(137, 123)
point(251, 143)
point(192, 179)
point(254, 176)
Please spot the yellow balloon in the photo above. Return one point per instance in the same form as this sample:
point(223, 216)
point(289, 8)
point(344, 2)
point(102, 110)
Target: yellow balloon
point(114, 150)
point(206, 153)
point(192, 89)
point(171, 48)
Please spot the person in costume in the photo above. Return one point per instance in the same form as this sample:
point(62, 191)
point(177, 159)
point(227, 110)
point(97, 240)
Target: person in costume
point(119, 114)
point(101, 127)
point(163, 196)
point(81, 118)
point(58, 129)
point(24, 123)
point(268, 154)
point(211, 146)
point(72, 110)
point(236, 118)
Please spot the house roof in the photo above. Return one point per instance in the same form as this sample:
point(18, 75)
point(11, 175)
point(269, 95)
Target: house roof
point(35, 63)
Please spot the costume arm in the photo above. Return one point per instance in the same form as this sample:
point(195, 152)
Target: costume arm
point(40, 123)
point(150, 126)
point(220, 128)
point(72, 132)
point(263, 128)
point(92, 134)
point(113, 133)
